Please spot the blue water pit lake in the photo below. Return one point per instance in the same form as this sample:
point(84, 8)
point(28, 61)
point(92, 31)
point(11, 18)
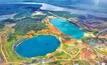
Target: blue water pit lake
point(67, 28)
point(37, 46)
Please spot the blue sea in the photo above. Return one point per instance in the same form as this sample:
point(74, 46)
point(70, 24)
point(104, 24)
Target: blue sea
point(73, 7)
point(6, 9)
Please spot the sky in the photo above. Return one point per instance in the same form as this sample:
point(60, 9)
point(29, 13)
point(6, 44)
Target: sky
point(60, 2)
point(12, 1)
point(9, 1)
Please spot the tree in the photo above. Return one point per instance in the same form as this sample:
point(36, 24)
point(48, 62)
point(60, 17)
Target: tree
point(28, 24)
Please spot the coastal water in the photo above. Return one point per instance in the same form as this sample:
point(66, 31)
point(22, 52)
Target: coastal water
point(37, 46)
point(68, 28)
point(6, 9)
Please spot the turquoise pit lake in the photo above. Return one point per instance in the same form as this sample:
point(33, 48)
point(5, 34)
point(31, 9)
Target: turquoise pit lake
point(37, 46)
point(68, 28)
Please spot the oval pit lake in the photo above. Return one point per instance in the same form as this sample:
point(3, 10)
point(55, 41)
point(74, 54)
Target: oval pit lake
point(37, 46)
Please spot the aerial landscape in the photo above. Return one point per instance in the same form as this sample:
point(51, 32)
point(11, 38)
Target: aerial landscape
point(53, 32)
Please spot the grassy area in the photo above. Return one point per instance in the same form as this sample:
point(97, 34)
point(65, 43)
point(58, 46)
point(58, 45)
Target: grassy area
point(11, 54)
